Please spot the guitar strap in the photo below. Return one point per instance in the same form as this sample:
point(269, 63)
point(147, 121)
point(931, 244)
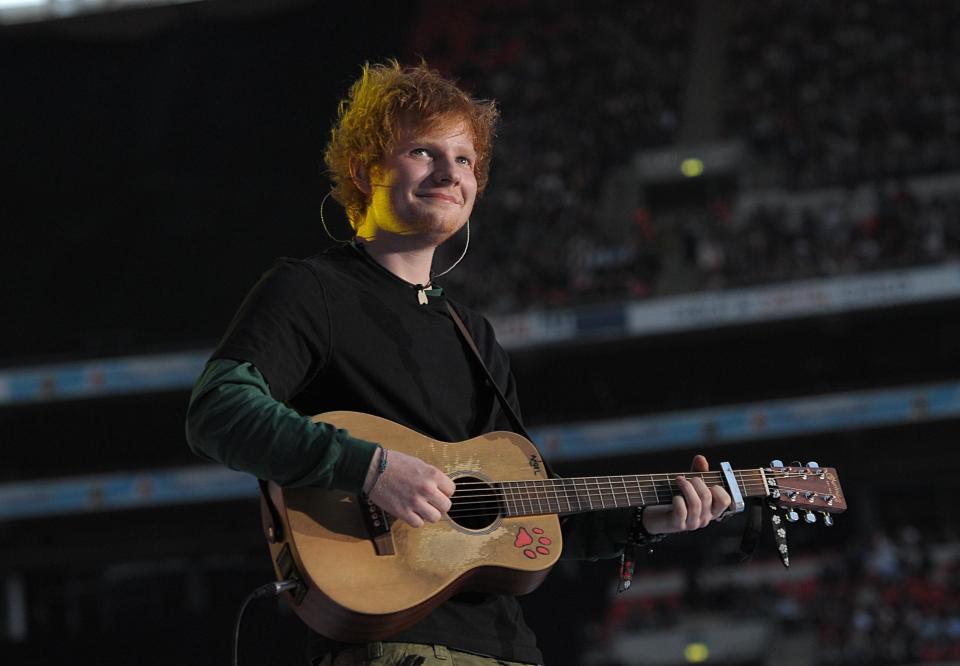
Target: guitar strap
point(515, 422)
point(751, 530)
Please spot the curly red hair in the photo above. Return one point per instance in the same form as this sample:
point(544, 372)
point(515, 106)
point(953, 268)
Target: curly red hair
point(369, 118)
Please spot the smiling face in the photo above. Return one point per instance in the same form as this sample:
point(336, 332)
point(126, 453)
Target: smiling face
point(425, 186)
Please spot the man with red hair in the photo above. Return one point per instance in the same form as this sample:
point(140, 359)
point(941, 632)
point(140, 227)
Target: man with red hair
point(364, 327)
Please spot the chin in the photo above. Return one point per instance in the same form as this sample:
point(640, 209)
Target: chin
point(443, 227)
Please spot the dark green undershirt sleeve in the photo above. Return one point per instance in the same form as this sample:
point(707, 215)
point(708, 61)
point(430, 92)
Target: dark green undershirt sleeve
point(232, 419)
point(596, 535)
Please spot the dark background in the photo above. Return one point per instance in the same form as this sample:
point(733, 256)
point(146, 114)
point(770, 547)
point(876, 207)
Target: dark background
point(153, 165)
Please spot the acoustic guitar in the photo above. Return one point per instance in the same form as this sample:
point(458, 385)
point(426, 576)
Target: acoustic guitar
point(364, 577)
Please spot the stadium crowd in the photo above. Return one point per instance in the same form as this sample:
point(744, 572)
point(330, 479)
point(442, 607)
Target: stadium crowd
point(896, 228)
point(825, 97)
point(838, 93)
point(893, 600)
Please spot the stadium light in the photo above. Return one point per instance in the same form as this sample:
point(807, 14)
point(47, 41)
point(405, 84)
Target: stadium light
point(691, 167)
point(696, 653)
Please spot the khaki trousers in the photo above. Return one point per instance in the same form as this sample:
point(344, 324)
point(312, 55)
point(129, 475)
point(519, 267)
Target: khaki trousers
point(409, 654)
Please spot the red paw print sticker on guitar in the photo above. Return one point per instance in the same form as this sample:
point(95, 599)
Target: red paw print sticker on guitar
point(524, 539)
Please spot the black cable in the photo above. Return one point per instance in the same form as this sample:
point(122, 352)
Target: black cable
point(262, 592)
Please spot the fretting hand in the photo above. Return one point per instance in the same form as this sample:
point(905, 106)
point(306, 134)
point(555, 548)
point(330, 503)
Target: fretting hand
point(409, 488)
point(695, 507)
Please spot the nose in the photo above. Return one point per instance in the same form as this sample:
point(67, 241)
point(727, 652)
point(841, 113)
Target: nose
point(445, 171)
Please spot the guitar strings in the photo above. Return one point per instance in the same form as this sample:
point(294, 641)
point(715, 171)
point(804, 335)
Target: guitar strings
point(547, 490)
point(502, 506)
point(575, 487)
point(600, 481)
point(717, 473)
point(507, 512)
point(588, 485)
point(664, 477)
point(613, 499)
point(593, 502)
point(516, 495)
point(636, 477)
point(581, 490)
point(519, 495)
point(601, 485)
point(605, 501)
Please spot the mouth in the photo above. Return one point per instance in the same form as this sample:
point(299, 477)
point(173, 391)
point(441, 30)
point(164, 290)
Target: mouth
point(440, 197)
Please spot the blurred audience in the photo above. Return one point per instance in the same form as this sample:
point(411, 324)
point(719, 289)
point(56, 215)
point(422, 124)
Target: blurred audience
point(894, 600)
point(777, 242)
point(846, 99)
point(839, 93)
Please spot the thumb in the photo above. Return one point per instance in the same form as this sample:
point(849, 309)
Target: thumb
point(700, 464)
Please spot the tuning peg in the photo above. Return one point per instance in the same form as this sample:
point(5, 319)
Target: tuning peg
point(792, 516)
point(810, 517)
point(827, 519)
point(813, 465)
point(776, 464)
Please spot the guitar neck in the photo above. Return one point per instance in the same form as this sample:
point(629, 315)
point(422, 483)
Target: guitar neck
point(596, 493)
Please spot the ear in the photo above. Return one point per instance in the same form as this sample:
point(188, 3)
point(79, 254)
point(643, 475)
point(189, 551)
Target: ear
point(360, 174)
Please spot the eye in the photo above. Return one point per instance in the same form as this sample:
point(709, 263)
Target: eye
point(420, 151)
point(466, 161)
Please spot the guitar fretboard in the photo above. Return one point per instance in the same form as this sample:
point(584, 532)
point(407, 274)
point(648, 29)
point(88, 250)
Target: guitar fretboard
point(596, 493)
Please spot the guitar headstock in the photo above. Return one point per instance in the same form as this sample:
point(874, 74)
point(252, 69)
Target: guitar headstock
point(805, 488)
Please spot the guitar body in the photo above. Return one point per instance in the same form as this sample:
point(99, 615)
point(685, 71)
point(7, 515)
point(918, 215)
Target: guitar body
point(357, 589)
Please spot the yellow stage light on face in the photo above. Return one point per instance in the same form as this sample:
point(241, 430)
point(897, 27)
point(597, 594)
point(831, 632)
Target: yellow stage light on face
point(691, 167)
point(696, 653)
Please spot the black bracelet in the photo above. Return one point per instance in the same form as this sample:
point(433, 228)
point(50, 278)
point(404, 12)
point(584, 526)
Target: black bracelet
point(639, 535)
point(381, 468)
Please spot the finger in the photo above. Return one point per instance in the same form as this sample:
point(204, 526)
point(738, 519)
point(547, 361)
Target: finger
point(693, 504)
point(412, 519)
point(441, 502)
point(721, 501)
point(679, 513)
point(706, 502)
point(700, 464)
point(428, 512)
point(446, 484)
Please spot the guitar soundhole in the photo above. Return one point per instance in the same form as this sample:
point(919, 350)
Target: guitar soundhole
point(476, 503)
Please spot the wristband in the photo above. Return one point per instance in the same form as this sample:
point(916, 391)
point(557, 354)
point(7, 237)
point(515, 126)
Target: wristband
point(639, 537)
point(381, 468)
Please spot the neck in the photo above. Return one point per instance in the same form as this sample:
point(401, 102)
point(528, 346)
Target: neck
point(408, 260)
point(580, 495)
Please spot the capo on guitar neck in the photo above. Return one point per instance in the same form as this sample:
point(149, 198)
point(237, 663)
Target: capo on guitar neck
point(737, 504)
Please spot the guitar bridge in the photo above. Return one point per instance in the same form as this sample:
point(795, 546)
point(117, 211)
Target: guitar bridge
point(378, 527)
